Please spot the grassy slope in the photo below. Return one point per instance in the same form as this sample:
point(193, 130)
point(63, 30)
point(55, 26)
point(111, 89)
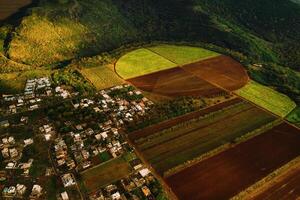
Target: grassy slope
point(54, 33)
point(183, 54)
point(140, 62)
point(267, 98)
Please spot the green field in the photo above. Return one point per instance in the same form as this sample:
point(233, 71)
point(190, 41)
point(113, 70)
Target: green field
point(183, 54)
point(105, 174)
point(141, 62)
point(267, 98)
point(101, 77)
point(179, 144)
point(294, 116)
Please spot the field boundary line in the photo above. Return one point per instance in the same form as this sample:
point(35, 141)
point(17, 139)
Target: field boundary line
point(268, 181)
point(244, 138)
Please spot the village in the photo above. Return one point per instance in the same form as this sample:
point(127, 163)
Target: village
point(35, 92)
point(45, 155)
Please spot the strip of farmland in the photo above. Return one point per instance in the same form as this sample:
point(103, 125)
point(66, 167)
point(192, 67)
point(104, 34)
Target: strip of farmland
point(186, 141)
point(145, 132)
point(228, 173)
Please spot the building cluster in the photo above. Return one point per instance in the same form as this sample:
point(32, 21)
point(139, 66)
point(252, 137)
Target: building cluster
point(19, 190)
point(36, 90)
point(138, 185)
point(82, 147)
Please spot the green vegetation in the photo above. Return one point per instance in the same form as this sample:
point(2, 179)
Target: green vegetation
point(71, 77)
point(294, 116)
point(267, 98)
point(141, 62)
point(101, 77)
point(105, 173)
point(182, 54)
point(188, 140)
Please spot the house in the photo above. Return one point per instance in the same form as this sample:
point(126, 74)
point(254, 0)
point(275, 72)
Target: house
point(64, 196)
point(5, 153)
point(68, 180)
point(21, 189)
point(146, 191)
point(116, 196)
point(36, 191)
point(144, 172)
point(13, 152)
point(28, 141)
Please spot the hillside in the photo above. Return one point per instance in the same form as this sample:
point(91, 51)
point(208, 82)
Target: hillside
point(57, 31)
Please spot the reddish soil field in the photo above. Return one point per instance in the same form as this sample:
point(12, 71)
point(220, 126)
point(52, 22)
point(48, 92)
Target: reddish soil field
point(10, 7)
point(172, 122)
point(175, 82)
point(288, 188)
point(222, 71)
point(232, 171)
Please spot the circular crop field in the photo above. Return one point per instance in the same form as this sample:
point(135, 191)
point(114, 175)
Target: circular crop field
point(181, 71)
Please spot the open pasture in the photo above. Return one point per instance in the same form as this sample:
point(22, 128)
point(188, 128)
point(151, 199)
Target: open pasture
point(182, 54)
point(174, 146)
point(222, 71)
point(175, 82)
point(267, 98)
point(105, 173)
point(101, 77)
point(230, 172)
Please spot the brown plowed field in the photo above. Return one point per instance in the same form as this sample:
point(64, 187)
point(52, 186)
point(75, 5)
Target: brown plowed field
point(175, 82)
point(145, 132)
point(232, 171)
point(222, 71)
point(10, 7)
point(286, 189)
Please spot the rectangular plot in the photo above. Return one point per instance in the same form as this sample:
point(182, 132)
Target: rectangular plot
point(101, 77)
point(267, 98)
point(228, 173)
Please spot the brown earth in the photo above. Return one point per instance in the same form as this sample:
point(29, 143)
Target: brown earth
point(175, 82)
point(10, 7)
point(222, 71)
point(145, 132)
point(286, 188)
point(232, 171)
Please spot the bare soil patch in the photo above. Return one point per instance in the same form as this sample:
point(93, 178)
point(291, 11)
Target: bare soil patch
point(222, 71)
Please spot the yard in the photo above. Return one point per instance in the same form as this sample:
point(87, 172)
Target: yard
point(101, 77)
point(267, 98)
point(183, 54)
point(105, 173)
